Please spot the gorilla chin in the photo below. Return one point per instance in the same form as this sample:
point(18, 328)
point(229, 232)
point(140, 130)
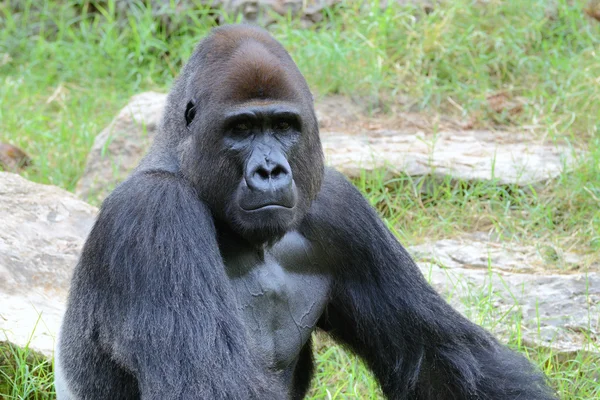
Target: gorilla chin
point(264, 225)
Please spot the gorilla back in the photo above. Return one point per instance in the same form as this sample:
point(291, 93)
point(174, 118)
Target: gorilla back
point(208, 269)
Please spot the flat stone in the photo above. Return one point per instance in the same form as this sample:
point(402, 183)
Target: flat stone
point(466, 155)
point(43, 229)
point(556, 311)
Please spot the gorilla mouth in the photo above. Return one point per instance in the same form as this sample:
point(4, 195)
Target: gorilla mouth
point(270, 200)
point(268, 207)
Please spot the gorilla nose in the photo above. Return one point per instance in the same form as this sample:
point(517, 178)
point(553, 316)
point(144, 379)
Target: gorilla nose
point(268, 183)
point(269, 176)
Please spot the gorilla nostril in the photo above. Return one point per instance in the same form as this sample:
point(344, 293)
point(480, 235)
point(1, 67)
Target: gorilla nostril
point(278, 170)
point(267, 173)
point(263, 173)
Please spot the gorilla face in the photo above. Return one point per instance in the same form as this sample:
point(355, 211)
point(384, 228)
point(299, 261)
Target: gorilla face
point(260, 139)
point(252, 181)
point(253, 150)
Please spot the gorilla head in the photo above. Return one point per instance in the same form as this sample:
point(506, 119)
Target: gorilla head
point(247, 134)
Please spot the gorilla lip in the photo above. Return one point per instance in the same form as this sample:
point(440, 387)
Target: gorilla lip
point(255, 201)
point(269, 207)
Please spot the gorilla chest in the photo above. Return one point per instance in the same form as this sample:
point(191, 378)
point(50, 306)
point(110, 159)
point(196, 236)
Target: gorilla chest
point(281, 295)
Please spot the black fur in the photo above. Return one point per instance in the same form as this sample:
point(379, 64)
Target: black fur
point(209, 267)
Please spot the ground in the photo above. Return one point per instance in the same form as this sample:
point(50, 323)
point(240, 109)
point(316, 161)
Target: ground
point(510, 66)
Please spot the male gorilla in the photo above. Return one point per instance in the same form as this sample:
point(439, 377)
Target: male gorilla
point(210, 266)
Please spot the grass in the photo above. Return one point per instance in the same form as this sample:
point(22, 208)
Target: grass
point(24, 374)
point(65, 71)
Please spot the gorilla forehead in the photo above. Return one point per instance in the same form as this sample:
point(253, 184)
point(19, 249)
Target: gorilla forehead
point(255, 73)
point(243, 63)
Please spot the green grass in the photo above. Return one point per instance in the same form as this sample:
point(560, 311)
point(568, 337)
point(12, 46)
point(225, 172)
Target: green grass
point(24, 374)
point(65, 71)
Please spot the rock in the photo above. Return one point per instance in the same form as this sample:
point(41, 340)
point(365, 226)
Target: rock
point(13, 159)
point(173, 14)
point(121, 145)
point(426, 5)
point(505, 103)
point(43, 229)
point(592, 9)
point(337, 112)
point(262, 11)
point(466, 155)
point(507, 157)
point(557, 311)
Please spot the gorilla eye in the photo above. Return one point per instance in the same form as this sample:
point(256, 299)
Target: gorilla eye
point(282, 126)
point(241, 127)
point(190, 112)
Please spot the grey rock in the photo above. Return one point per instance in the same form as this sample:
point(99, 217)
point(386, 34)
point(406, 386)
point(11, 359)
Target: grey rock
point(43, 229)
point(120, 146)
point(466, 155)
point(310, 11)
point(263, 11)
point(516, 291)
point(172, 14)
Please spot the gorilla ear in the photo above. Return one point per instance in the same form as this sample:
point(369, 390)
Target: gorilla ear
point(190, 112)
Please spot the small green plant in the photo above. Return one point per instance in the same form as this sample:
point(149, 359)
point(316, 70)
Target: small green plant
point(24, 374)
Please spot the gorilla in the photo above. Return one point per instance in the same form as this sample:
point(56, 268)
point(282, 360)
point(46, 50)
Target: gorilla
point(208, 269)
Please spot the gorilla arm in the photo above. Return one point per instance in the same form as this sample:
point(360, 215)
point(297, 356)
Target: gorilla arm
point(382, 307)
point(162, 306)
